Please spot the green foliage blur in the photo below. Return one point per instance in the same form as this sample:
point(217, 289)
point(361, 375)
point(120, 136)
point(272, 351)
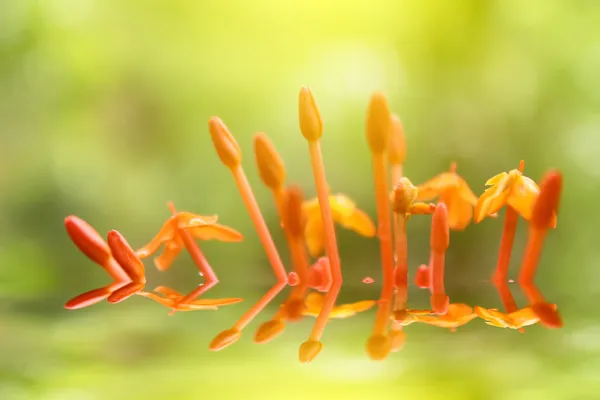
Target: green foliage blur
point(103, 113)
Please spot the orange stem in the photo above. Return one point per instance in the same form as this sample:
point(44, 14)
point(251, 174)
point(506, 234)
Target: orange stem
point(331, 248)
point(533, 251)
point(506, 244)
point(385, 243)
point(210, 278)
point(259, 223)
point(259, 306)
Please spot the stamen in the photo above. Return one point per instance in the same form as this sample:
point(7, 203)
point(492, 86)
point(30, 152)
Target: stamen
point(440, 240)
point(378, 129)
point(546, 206)
point(311, 127)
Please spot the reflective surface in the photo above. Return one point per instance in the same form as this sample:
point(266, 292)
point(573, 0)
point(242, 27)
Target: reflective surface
point(103, 112)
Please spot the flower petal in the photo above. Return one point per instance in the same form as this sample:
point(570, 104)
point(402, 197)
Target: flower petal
point(172, 249)
point(314, 235)
point(460, 211)
point(216, 232)
point(359, 222)
point(187, 220)
point(167, 232)
point(437, 185)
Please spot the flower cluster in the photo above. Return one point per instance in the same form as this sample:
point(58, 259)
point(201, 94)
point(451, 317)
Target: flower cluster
point(309, 229)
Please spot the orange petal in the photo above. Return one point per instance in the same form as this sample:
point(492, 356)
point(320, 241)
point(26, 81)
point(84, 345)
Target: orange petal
point(185, 220)
point(172, 249)
point(168, 292)
point(314, 236)
point(460, 211)
point(437, 185)
point(216, 232)
point(167, 233)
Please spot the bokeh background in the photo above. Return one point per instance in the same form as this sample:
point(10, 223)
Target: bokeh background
point(103, 114)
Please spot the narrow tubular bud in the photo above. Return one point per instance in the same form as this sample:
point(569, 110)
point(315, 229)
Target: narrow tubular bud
point(440, 232)
point(379, 123)
point(397, 146)
point(224, 339)
point(225, 144)
point(546, 205)
point(311, 124)
point(270, 164)
point(309, 350)
point(125, 256)
point(405, 193)
point(293, 217)
point(87, 240)
point(269, 331)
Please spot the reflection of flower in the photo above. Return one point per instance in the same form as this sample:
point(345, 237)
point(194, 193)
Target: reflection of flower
point(314, 303)
point(453, 191)
point(200, 227)
point(458, 314)
point(344, 212)
point(508, 188)
point(514, 320)
point(171, 299)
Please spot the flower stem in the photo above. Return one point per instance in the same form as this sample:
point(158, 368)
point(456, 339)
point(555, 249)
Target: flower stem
point(331, 248)
point(506, 245)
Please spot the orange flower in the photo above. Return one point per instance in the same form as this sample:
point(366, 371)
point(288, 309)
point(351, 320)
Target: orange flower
point(458, 314)
point(199, 226)
point(509, 188)
point(314, 303)
point(453, 191)
point(407, 316)
point(514, 320)
point(171, 299)
point(344, 212)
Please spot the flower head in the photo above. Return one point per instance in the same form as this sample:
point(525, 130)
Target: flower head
point(344, 212)
point(199, 226)
point(453, 191)
point(514, 320)
point(172, 299)
point(510, 188)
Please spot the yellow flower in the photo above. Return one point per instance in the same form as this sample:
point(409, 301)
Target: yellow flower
point(453, 191)
point(199, 226)
point(314, 303)
point(344, 212)
point(508, 188)
point(514, 320)
point(458, 314)
point(403, 198)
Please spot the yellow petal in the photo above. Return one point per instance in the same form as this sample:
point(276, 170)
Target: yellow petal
point(314, 302)
point(341, 206)
point(496, 179)
point(458, 310)
point(216, 302)
point(314, 236)
point(523, 196)
point(216, 232)
point(465, 192)
point(360, 222)
point(460, 212)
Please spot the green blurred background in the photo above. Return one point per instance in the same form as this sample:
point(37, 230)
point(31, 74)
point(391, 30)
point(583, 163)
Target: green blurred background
point(103, 114)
